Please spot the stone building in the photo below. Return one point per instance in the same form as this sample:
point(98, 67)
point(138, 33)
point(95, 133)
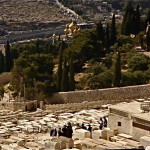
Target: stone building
point(128, 118)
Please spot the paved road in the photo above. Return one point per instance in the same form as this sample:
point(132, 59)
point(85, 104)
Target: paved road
point(32, 35)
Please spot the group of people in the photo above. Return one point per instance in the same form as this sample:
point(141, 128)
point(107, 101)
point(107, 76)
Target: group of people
point(102, 123)
point(65, 131)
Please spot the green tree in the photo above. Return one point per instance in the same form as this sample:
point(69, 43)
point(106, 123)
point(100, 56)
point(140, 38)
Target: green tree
point(117, 71)
point(65, 78)
point(113, 36)
point(37, 46)
point(30, 69)
point(137, 20)
point(59, 71)
point(85, 46)
point(100, 32)
point(107, 37)
point(138, 62)
point(127, 27)
point(2, 64)
point(8, 58)
point(71, 75)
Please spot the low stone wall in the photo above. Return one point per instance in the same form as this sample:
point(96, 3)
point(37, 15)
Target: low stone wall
point(121, 93)
point(8, 106)
point(73, 107)
point(14, 106)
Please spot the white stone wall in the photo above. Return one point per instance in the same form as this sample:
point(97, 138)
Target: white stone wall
point(126, 123)
point(138, 133)
point(130, 92)
point(83, 105)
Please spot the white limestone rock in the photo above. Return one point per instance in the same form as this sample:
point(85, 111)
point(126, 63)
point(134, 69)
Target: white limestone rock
point(145, 141)
point(81, 134)
point(97, 134)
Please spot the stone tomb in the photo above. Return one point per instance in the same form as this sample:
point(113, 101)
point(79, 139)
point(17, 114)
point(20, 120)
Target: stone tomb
point(81, 134)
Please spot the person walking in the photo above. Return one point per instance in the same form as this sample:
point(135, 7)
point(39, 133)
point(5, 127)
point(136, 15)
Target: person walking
point(64, 131)
point(78, 126)
point(69, 130)
point(89, 128)
point(101, 124)
point(105, 121)
point(59, 132)
point(83, 126)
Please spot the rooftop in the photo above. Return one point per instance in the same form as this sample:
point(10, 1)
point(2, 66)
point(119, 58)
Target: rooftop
point(132, 108)
point(144, 116)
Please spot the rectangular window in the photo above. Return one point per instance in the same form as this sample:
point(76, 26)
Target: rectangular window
point(119, 124)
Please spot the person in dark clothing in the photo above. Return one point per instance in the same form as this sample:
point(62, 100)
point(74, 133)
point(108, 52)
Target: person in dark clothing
point(78, 126)
point(89, 128)
point(69, 130)
point(105, 121)
point(51, 132)
point(55, 132)
point(83, 126)
point(59, 132)
point(101, 123)
point(64, 131)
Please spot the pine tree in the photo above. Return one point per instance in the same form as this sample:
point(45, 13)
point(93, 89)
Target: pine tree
point(2, 64)
point(8, 58)
point(113, 35)
point(65, 78)
point(59, 71)
point(71, 75)
point(117, 71)
point(100, 32)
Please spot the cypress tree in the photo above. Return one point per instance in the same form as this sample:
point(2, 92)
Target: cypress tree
point(2, 64)
point(107, 37)
point(117, 71)
point(59, 71)
point(65, 78)
point(71, 76)
point(127, 24)
point(8, 58)
point(100, 32)
point(137, 20)
point(113, 35)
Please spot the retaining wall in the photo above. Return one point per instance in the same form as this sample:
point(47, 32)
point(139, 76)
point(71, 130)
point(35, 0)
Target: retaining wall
point(14, 106)
point(121, 93)
point(73, 107)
